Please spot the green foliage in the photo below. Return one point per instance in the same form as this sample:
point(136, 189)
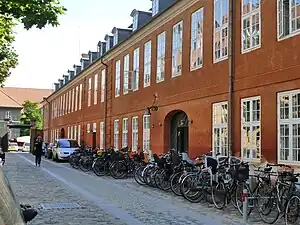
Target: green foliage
point(31, 13)
point(31, 112)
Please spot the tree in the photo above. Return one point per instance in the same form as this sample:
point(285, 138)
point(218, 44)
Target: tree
point(31, 13)
point(31, 112)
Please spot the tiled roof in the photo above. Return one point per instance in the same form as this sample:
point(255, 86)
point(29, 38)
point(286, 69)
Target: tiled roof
point(15, 97)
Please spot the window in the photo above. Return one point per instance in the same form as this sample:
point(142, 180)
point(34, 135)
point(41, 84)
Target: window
point(80, 96)
point(95, 89)
point(289, 127)
point(67, 105)
point(125, 133)
point(250, 25)
point(250, 132)
point(75, 133)
point(147, 64)
point(88, 128)
point(197, 40)
point(118, 79)
point(102, 85)
point(220, 135)
point(67, 144)
point(135, 22)
point(155, 7)
point(146, 133)
point(70, 102)
point(69, 134)
point(126, 74)
point(94, 127)
point(101, 135)
point(79, 133)
point(116, 38)
point(116, 134)
point(89, 91)
point(177, 49)
point(76, 99)
point(288, 18)
point(161, 53)
point(107, 43)
point(135, 133)
point(64, 105)
point(221, 14)
point(136, 62)
point(73, 99)
point(8, 115)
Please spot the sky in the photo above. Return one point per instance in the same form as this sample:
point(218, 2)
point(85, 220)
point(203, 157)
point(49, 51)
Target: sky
point(45, 55)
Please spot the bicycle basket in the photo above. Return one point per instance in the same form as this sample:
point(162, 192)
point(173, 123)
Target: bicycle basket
point(242, 173)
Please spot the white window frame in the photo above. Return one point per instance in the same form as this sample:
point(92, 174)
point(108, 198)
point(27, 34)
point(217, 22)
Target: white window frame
point(79, 134)
point(94, 127)
point(177, 39)
point(221, 28)
point(73, 99)
point(249, 16)
point(118, 79)
point(75, 133)
point(69, 134)
point(197, 21)
point(146, 132)
point(155, 7)
point(147, 64)
point(71, 130)
point(70, 103)
point(251, 124)
point(89, 92)
point(136, 69)
point(280, 21)
point(8, 115)
point(135, 22)
point(103, 85)
point(220, 123)
point(126, 74)
point(102, 135)
point(125, 132)
point(88, 128)
point(95, 89)
point(116, 38)
point(116, 134)
point(135, 133)
point(80, 97)
point(161, 54)
point(290, 121)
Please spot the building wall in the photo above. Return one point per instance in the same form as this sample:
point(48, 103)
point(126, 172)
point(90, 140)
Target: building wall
point(15, 118)
point(263, 72)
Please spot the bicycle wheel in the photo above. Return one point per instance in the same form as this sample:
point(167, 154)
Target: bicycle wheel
point(238, 197)
point(98, 167)
point(192, 188)
point(119, 170)
point(174, 183)
point(162, 180)
point(292, 212)
point(218, 195)
point(138, 175)
point(268, 205)
point(85, 164)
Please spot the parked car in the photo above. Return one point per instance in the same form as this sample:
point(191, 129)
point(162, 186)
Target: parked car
point(26, 147)
point(13, 147)
point(48, 151)
point(63, 148)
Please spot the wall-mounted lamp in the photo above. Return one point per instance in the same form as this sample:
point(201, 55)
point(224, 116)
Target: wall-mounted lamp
point(151, 108)
point(160, 124)
point(191, 121)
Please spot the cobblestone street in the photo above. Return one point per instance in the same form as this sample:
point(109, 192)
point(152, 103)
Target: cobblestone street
point(102, 200)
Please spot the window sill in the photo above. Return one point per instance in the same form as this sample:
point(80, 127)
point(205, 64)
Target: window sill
point(176, 75)
point(159, 81)
point(220, 59)
point(251, 49)
point(251, 160)
point(147, 85)
point(196, 68)
point(288, 36)
point(290, 163)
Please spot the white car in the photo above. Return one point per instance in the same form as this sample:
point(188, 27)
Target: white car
point(63, 148)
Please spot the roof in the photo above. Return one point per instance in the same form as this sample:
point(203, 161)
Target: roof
point(14, 97)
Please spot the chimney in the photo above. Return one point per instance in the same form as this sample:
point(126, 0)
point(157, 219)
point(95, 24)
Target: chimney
point(77, 70)
point(140, 18)
point(71, 74)
point(61, 82)
point(66, 78)
point(56, 86)
point(84, 61)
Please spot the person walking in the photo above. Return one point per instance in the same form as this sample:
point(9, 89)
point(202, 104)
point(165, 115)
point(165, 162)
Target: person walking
point(38, 150)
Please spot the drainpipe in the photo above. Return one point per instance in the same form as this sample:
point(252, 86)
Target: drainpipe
point(230, 78)
point(105, 101)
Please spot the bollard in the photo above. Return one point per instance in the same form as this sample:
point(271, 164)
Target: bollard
point(245, 204)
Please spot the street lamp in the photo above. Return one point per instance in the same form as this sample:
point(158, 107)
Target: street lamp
point(153, 107)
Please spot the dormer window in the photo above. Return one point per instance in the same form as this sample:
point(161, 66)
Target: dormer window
point(116, 38)
point(155, 7)
point(107, 44)
point(135, 22)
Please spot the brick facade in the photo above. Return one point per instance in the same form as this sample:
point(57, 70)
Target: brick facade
point(264, 72)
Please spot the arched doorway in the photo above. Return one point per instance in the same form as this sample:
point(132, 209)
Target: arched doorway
point(177, 128)
point(62, 133)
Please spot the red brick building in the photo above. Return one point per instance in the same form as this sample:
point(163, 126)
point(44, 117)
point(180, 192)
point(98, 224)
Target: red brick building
point(213, 82)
